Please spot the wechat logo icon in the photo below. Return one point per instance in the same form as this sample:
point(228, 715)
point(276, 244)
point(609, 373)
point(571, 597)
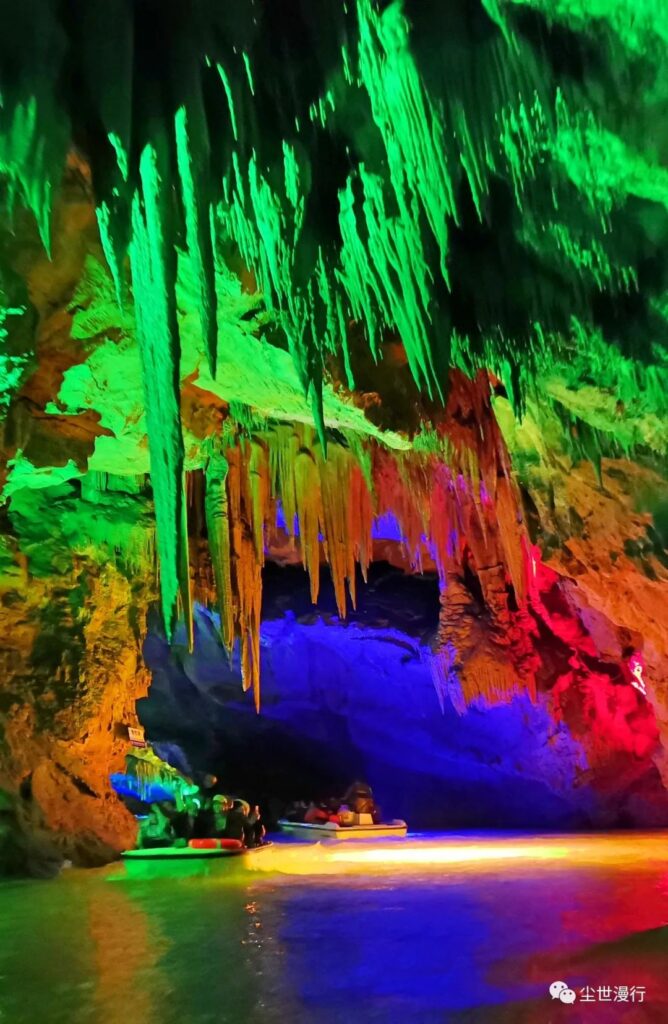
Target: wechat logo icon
point(560, 990)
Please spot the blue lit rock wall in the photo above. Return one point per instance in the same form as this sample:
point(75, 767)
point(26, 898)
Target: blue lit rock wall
point(340, 701)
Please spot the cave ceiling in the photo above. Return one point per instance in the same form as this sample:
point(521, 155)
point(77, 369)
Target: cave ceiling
point(359, 259)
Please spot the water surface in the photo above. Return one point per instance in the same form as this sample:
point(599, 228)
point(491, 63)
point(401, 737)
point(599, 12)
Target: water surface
point(475, 930)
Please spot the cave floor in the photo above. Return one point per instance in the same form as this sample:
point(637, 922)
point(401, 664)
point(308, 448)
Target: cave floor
point(448, 928)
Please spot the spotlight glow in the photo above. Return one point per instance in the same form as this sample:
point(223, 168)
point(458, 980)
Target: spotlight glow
point(454, 853)
point(471, 853)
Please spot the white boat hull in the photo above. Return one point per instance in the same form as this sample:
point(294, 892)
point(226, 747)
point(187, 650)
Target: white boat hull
point(330, 830)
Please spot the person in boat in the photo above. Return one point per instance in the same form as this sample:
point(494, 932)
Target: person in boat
point(256, 828)
point(359, 798)
point(155, 830)
point(220, 806)
point(238, 825)
point(185, 822)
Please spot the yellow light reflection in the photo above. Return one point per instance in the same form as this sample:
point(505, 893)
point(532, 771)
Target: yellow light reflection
point(452, 853)
point(447, 855)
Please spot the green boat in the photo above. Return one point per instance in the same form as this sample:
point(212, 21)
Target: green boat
point(183, 862)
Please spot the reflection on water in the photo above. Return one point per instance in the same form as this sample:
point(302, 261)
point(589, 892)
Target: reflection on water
point(475, 938)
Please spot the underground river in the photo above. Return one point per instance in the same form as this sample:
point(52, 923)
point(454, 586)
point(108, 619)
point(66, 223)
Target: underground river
point(447, 928)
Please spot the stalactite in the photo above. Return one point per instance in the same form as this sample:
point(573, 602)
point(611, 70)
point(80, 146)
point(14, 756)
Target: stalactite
point(470, 662)
point(406, 123)
point(310, 515)
point(335, 486)
point(446, 514)
point(218, 531)
point(446, 680)
point(283, 457)
point(246, 572)
point(192, 149)
point(445, 525)
point(360, 521)
point(494, 682)
point(185, 585)
point(107, 67)
point(402, 484)
point(508, 512)
point(153, 267)
point(411, 128)
point(259, 482)
point(149, 770)
point(34, 128)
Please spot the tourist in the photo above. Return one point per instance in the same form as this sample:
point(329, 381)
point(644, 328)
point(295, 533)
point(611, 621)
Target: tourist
point(155, 830)
point(256, 828)
point(184, 822)
point(359, 798)
point(204, 826)
point(220, 807)
point(237, 825)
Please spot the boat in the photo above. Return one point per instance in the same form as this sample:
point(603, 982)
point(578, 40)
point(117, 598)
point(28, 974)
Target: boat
point(183, 861)
point(331, 830)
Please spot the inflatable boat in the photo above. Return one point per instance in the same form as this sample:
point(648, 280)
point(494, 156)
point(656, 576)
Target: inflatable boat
point(330, 830)
point(200, 857)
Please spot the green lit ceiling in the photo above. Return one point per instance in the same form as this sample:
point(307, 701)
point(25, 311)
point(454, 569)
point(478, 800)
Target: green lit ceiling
point(286, 191)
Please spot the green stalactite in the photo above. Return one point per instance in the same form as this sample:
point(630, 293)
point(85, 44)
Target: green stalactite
point(218, 530)
point(184, 574)
point(406, 118)
point(192, 150)
point(465, 176)
point(153, 273)
point(639, 24)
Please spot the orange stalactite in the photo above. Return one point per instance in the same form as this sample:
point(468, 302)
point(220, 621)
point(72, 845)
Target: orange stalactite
point(360, 519)
point(454, 505)
point(282, 459)
point(309, 513)
point(444, 519)
point(335, 474)
point(511, 533)
point(496, 682)
point(259, 482)
point(246, 570)
point(398, 493)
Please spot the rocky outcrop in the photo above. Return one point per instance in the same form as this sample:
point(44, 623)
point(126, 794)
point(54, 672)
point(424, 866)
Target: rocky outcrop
point(599, 526)
point(71, 628)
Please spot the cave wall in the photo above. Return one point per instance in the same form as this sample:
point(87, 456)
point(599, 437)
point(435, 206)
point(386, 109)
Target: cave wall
point(71, 624)
point(600, 526)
